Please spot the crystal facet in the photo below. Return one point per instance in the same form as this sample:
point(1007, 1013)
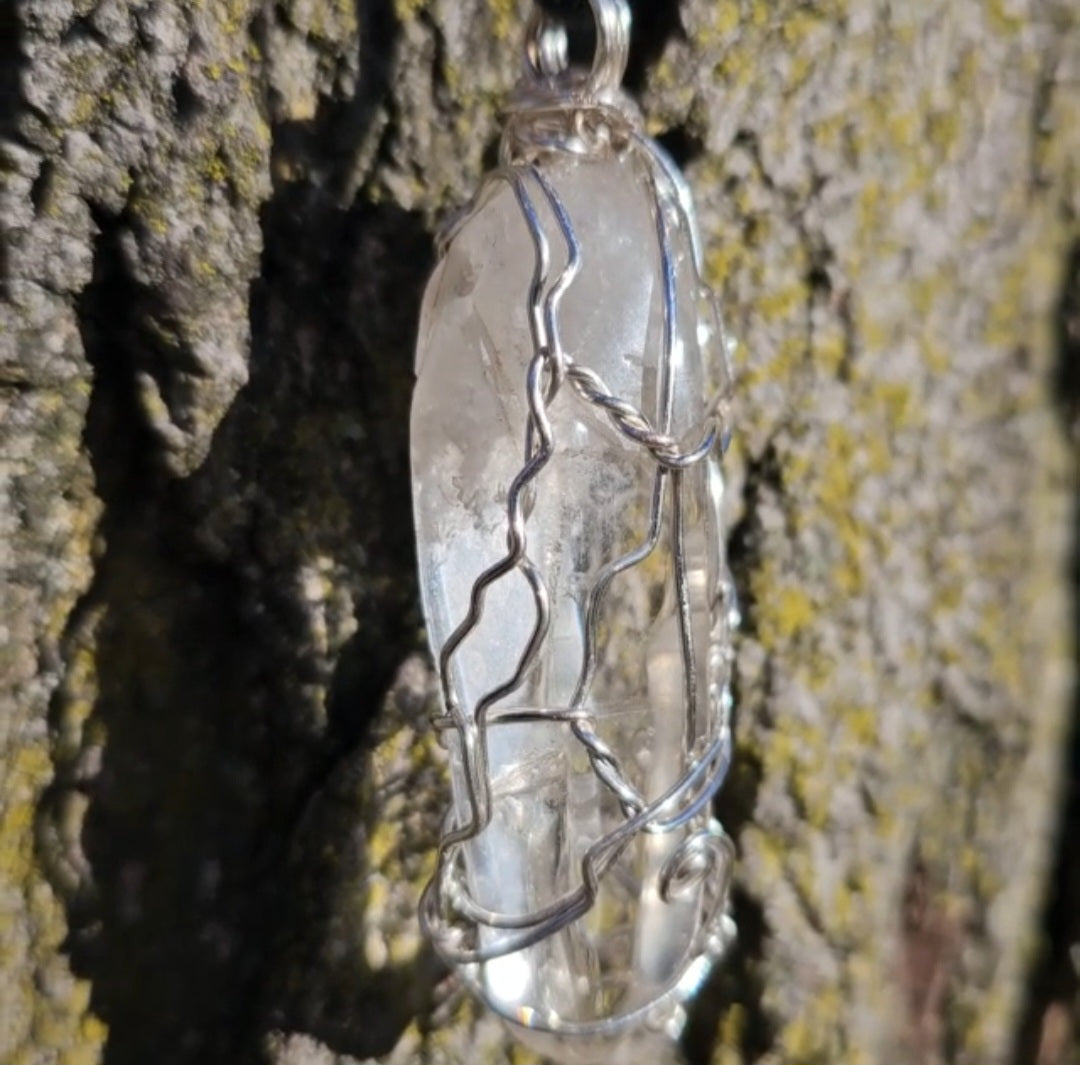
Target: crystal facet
point(620, 577)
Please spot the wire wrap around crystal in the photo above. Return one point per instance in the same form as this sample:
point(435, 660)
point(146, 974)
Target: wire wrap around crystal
point(562, 111)
point(549, 367)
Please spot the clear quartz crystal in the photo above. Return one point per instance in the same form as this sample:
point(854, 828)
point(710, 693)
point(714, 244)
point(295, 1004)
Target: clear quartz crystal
point(589, 505)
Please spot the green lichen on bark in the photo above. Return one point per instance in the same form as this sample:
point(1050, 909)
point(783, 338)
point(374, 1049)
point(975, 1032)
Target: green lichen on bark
point(907, 627)
point(217, 219)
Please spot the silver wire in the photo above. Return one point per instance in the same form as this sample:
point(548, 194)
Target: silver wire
point(547, 49)
point(471, 726)
point(449, 912)
point(562, 109)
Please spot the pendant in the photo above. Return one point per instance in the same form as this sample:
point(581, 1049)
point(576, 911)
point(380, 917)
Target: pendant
point(568, 422)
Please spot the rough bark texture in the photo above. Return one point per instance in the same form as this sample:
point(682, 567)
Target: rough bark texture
point(217, 219)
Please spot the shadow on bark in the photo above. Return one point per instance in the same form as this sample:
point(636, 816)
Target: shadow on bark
point(351, 378)
point(163, 925)
point(11, 64)
point(736, 984)
point(1053, 1006)
point(221, 714)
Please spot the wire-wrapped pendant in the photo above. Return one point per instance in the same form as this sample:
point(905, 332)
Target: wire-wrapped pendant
point(568, 496)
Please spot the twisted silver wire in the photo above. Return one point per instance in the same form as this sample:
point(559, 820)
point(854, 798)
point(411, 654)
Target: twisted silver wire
point(665, 449)
point(632, 423)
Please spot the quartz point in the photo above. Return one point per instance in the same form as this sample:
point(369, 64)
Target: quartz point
point(617, 656)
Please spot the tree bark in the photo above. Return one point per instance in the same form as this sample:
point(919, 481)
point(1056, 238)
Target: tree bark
point(218, 796)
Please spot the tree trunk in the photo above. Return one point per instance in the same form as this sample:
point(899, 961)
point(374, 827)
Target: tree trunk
point(218, 217)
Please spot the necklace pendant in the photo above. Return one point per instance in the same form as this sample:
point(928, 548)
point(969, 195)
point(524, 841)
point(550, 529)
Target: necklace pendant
point(568, 423)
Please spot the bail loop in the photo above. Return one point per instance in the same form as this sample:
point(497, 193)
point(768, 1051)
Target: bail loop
point(547, 60)
point(560, 105)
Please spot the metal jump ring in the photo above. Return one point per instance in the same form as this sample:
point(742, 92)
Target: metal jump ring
point(547, 47)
